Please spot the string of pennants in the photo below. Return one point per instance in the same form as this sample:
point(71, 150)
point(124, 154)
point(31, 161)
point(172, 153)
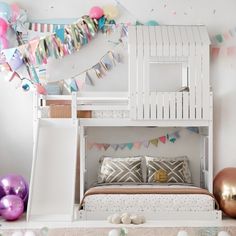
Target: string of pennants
point(228, 51)
point(63, 42)
point(171, 138)
point(99, 70)
point(227, 35)
point(137, 144)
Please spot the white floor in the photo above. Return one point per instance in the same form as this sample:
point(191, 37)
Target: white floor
point(22, 224)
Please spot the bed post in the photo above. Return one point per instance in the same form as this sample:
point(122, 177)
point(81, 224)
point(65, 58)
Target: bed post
point(82, 161)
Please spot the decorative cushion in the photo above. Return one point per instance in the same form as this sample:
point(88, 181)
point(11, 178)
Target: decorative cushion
point(120, 170)
point(168, 169)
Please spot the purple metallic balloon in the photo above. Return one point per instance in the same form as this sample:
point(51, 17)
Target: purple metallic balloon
point(11, 207)
point(13, 184)
point(2, 192)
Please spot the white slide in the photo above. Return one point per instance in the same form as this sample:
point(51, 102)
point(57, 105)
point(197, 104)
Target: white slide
point(52, 184)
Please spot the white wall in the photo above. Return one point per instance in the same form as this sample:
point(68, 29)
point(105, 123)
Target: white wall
point(218, 15)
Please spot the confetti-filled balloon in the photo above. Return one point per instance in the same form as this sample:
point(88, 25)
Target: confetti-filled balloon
point(111, 11)
point(14, 184)
point(96, 12)
point(3, 27)
point(11, 207)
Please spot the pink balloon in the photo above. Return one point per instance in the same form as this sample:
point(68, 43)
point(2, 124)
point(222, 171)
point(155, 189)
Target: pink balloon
point(15, 12)
point(40, 89)
point(3, 27)
point(11, 207)
point(3, 43)
point(96, 12)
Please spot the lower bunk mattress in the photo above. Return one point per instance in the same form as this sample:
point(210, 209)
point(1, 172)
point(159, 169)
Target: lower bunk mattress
point(147, 198)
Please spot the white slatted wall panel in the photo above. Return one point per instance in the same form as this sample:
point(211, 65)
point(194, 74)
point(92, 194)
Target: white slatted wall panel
point(132, 70)
point(140, 71)
point(146, 78)
point(188, 45)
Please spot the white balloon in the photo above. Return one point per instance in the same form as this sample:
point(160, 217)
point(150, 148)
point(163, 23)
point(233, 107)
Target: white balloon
point(182, 233)
point(114, 232)
point(29, 233)
point(17, 233)
point(223, 233)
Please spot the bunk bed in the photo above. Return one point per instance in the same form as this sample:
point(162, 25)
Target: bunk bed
point(141, 106)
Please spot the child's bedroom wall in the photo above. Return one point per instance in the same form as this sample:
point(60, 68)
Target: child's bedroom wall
point(219, 16)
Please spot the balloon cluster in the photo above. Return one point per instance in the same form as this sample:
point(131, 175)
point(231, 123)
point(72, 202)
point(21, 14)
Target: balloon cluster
point(13, 195)
point(10, 15)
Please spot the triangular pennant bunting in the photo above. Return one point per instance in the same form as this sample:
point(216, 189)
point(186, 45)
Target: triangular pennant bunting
point(9, 53)
point(137, 145)
point(146, 143)
point(73, 86)
point(122, 145)
point(60, 33)
point(163, 139)
point(88, 79)
point(80, 83)
point(154, 142)
point(193, 129)
point(115, 146)
point(106, 146)
point(129, 145)
point(90, 145)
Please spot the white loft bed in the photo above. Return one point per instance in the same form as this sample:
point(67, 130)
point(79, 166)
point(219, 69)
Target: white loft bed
point(140, 106)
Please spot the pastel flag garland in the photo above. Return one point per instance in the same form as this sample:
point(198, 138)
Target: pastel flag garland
point(172, 137)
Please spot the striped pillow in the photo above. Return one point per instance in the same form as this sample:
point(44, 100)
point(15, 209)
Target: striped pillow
point(120, 170)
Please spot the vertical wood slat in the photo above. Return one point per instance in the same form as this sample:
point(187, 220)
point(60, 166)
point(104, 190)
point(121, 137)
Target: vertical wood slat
point(179, 105)
point(159, 106)
point(179, 48)
point(192, 96)
point(191, 40)
point(197, 39)
point(185, 105)
point(205, 84)
point(132, 71)
point(184, 40)
point(159, 41)
point(146, 76)
point(153, 101)
point(172, 40)
point(153, 50)
point(166, 106)
point(166, 43)
point(146, 98)
point(198, 82)
point(140, 72)
point(172, 105)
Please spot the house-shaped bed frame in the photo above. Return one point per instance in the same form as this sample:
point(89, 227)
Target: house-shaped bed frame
point(52, 188)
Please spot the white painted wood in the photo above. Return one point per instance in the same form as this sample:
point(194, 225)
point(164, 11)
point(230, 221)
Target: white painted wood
point(159, 41)
point(103, 107)
point(82, 161)
point(54, 162)
point(147, 106)
point(166, 106)
point(192, 87)
point(146, 65)
point(172, 105)
point(132, 70)
point(160, 106)
point(191, 41)
point(198, 82)
point(185, 105)
point(172, 41)
point(197, 39)
point(205, 83)
point(140, 71)
point(153, 101)
point(166, 43)
point(210, 149)
point(179, 105)
point(179, 45)
point(184, 40)
point(153, 49)
point(185, 82)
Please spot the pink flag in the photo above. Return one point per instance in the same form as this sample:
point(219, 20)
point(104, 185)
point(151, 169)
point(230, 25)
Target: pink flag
point(40, 89)
point(80, 82)
point(106, 146)
point(163, 139)
point(137, 145)
point(226, 36)
point(215, 52)
point(231, 51)
point(99, 146)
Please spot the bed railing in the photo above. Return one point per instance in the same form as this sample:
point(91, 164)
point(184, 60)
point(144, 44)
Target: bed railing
point(169, 106)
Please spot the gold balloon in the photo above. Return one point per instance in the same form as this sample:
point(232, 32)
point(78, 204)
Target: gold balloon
point(225, 190)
